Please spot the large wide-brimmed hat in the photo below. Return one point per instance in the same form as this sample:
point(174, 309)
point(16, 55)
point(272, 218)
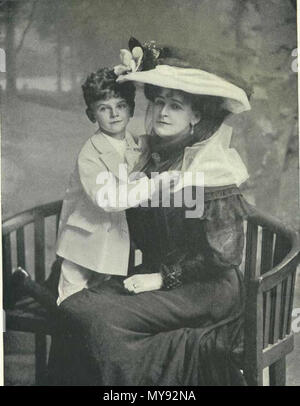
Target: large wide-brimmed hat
point(172, 68)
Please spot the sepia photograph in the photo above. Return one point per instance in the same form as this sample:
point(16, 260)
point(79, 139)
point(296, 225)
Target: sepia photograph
point(150, 195)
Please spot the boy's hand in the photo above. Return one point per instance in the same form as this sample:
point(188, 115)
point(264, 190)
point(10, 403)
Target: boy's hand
point(134, 176)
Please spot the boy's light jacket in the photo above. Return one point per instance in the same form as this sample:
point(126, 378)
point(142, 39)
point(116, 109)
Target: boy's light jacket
point(88, 235)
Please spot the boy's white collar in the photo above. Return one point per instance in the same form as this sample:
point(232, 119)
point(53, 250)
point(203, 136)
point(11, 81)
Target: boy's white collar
point(128, 136)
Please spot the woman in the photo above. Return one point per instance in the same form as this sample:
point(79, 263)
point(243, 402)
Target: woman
point(177, 318)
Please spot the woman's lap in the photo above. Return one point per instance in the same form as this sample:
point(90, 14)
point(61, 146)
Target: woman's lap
point(156, 311)
point(147, 338)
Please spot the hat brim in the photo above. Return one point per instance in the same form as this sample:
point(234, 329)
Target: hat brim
point(194, 81)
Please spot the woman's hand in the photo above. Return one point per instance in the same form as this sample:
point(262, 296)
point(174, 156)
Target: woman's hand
point(143, 282)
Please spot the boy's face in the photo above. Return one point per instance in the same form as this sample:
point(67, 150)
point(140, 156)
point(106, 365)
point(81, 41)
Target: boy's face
point(112, 115)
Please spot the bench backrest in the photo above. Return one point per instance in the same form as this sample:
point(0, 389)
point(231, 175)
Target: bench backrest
point(28, 240)
point(271, 259)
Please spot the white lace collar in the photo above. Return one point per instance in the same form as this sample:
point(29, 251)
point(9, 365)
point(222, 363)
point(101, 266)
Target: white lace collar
point(219, 164)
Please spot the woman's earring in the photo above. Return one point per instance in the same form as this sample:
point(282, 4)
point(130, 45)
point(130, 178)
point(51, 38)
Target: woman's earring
point(192, 128)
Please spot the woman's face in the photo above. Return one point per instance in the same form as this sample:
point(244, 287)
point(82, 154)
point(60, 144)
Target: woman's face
point(173, 114)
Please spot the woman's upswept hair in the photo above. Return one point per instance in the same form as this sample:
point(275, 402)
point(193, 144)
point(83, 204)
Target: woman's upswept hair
point(209, 108)
point(102, 85)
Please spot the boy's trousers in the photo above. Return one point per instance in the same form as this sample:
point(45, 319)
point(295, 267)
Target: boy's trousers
point(74, 278)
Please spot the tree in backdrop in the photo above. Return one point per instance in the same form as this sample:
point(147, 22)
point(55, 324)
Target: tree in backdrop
point(87, 30)
point(14, 13)
point(269, 36)
point(56, 23)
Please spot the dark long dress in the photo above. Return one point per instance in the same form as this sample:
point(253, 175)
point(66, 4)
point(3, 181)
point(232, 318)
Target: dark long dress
point(187, 333)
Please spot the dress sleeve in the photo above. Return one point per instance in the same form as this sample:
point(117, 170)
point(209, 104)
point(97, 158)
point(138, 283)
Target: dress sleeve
point(216, 243)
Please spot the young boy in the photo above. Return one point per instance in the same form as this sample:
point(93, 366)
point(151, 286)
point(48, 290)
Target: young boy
point(93, 237)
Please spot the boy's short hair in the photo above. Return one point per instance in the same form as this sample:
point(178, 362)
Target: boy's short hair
point(102, 85)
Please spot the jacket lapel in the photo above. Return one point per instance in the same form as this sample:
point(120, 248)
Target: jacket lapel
point(108, 154)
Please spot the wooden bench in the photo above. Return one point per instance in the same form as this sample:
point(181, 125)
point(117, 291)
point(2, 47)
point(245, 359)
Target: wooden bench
point(271, 258)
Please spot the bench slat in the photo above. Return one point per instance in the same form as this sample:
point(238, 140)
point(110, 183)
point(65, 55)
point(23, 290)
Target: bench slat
point(39, 248)
point(7, 268)
point(285, 304)
point(277, 314)
point(21, 248)
point(251, 252)
point(266, 251)
point(282, 246)
point(57, 223)
point(291, 299)
point(267, 317)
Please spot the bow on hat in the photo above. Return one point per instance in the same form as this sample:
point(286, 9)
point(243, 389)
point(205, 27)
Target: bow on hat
point(138, 58)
